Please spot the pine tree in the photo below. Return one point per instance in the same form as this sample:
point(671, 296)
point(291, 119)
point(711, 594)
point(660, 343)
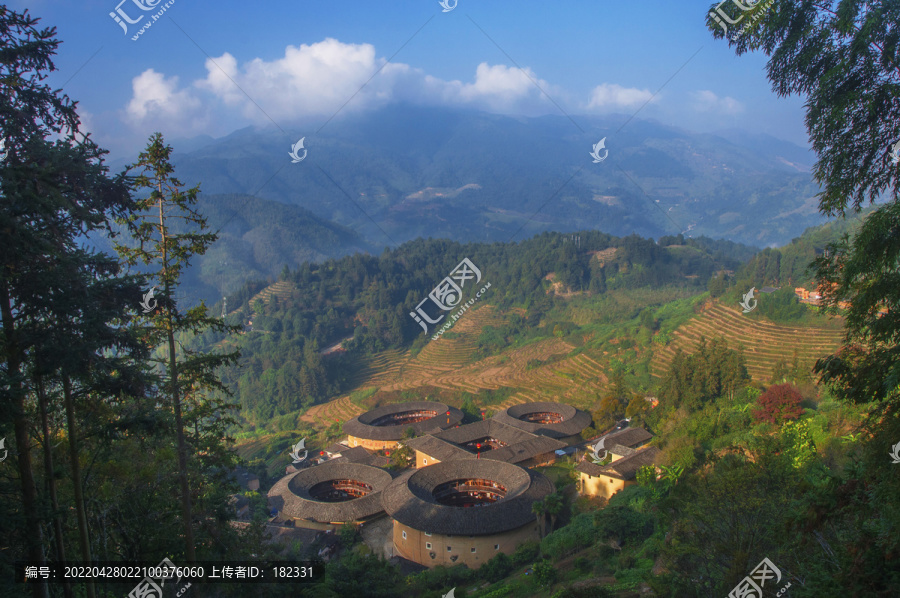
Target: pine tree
point(166, 232)
point(52, 194)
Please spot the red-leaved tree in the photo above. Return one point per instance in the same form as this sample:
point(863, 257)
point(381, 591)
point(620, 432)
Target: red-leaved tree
point(780, 402)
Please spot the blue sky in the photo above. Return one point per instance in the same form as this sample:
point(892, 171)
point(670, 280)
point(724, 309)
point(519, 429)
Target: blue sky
point(212, 68)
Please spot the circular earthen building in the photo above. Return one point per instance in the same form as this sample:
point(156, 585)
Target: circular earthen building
point(556, 420)
point(383, 427)
point(331, 494)
point(463, 511)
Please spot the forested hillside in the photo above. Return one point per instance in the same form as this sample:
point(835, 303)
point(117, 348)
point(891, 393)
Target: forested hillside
point(257, 239)
point(369, 299)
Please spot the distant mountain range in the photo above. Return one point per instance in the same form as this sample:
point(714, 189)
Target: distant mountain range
point(405, 172)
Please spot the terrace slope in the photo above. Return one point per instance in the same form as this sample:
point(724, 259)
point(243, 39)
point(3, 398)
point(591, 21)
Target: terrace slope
point(448, 363)
point(764, 343)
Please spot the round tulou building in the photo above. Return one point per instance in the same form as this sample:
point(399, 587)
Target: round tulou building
point(383, 427)
point(330, 495)
point(463, 511)
point(555, 420)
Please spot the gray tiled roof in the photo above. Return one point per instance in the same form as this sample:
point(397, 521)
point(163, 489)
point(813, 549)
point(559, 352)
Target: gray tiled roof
point(573, 420)
point(290, 494)
point(359, 454)
point(630, 437)
point(622, 451)
point(623, 469)
point(522, 445)
point(360, 426)
point(438, 448)
point(409, 498)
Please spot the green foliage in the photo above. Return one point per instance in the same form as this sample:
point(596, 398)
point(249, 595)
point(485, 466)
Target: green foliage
point(575, 536)
point(782, 306)
point(348, 535)
point(594, 591)
point(358, 397)
point(471, 412)
point(402, 457)
point(736, 498)
point(440, 578)
point(497, 568)
point(544, 573)
point(712, 371)
point(623, 524)
point(370, 298)
point(343, 577)
point(717, 286)
point(862, 271)
point(498, 593)
point(526, 553)
point(164, 233)
point(801, 448)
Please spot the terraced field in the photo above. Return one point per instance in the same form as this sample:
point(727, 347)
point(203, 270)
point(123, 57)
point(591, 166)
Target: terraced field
point(447, 363)
point(325, 414)
point(402, 372)
point(764, 342)
point(281, 289)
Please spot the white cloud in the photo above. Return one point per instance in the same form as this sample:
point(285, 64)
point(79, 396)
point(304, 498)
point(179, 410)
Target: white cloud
point(329, 76)
point(157, 102)
point(610, 96)
point(318, 79)
point(707, 101)
point(309, 80)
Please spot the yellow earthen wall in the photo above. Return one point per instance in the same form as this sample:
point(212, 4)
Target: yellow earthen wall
point(423, 460)
point(601, 486)
point(372, 445)
point(414, 548)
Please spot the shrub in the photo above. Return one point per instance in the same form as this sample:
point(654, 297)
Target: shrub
point(588, 592)
point(624, 524)
point(440, 577)
point(544, 573)
point(582, 564)
point(497, 568)
point(780, 403)
point(577, 535)
point(498, 593)
point(526, 553)
point(348, 535)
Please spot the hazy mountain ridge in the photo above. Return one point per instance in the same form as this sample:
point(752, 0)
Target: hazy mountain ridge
point(366, 166)
point(257, 238)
